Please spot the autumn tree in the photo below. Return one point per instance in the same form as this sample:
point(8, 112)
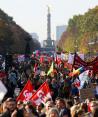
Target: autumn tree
point(81, 30)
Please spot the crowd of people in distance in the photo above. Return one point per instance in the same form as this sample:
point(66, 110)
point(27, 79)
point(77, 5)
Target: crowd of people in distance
point(65, 102)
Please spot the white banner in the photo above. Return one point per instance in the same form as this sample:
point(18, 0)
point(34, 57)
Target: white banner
point(3, 91)
point(71, 57)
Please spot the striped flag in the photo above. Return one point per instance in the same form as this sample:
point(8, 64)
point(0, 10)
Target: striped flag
point(77, 72)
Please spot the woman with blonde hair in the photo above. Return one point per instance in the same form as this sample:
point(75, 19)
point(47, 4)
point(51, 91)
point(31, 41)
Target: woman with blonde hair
point(53, 112)
point(74, 110)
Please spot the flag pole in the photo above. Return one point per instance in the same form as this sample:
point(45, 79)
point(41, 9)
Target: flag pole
point(73, 61)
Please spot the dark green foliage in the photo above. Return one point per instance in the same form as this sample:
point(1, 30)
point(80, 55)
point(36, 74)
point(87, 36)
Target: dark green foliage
point(13, 37)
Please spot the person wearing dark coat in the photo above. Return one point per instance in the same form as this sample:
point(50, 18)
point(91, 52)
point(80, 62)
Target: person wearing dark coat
point(11, 109)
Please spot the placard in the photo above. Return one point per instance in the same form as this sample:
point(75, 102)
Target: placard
point(87, 93)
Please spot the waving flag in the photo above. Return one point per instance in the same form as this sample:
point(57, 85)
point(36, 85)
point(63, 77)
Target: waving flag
point(27, 92)
point(41, 95)
point(41, 59)
point(77, 82)
point(77, 72)
point(3, 91)
point(92, 65)
point(50, 70)
point(58, 59)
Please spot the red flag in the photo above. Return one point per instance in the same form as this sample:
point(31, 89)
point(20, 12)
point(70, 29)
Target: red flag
point(78, 62)
point(58, 60)
point(49, 59)
point(77, 83)
point(41, 59)
point(27, 92)
point(41, 95)
point(92, 65)
point(2, 75)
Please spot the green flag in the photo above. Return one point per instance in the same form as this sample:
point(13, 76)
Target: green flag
point(50, 70)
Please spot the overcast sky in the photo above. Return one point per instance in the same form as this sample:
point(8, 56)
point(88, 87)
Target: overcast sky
point(32, 14)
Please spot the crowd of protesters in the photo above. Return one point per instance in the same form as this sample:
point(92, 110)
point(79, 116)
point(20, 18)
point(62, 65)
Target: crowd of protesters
point(65, 101)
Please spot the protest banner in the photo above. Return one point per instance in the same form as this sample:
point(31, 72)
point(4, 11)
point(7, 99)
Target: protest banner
point(87, 93)
point(3, 91)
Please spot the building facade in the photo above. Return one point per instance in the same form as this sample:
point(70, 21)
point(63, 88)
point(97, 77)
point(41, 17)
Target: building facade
point(59, 31)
